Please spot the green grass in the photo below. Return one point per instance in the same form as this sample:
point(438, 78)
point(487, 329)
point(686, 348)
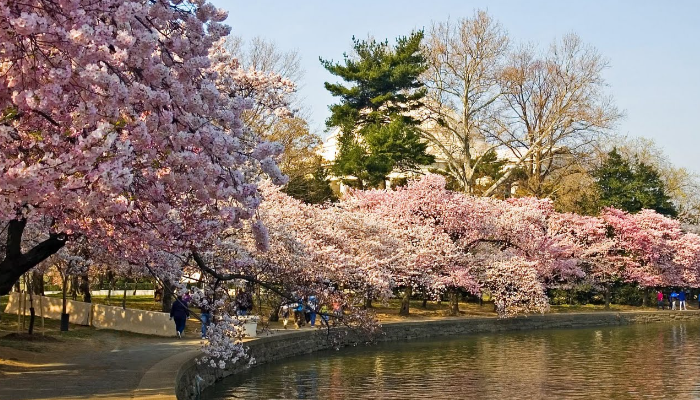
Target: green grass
point(135, 302)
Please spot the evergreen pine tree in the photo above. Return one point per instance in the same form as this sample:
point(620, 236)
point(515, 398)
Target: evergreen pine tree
point(631, 186)
point(378, 129)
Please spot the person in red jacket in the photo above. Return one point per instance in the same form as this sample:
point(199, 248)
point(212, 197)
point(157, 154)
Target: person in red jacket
point(660, 300)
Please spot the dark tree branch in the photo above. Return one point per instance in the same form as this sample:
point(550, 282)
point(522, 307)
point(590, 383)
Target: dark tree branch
point(15, 263)
point(229, 277)
point(14, 237)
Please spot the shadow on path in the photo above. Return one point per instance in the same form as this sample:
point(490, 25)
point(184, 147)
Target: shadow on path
point(80, 369)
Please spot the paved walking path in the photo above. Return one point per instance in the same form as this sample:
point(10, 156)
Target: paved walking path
point(120, 367)
point(104, 365)
point(109, 365)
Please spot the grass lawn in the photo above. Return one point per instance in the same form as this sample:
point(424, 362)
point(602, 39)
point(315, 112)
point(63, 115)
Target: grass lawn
point(136, 302)
point(390, 310)
point(387, 311)
point(44, 338)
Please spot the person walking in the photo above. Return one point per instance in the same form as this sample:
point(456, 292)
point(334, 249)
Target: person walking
point(313, 308)
point(299, 319)
point(681, 301)
point(179, 312)
point(660, 300)
point(674, 297)
point(205, 318)
point(285, 315)
point(670, 300)
point(244, 302)
point(324, 315)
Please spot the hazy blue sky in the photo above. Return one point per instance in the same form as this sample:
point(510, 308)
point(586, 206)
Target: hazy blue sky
point(653, 48)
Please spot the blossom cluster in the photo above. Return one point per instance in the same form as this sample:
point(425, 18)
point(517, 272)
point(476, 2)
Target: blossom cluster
point(517, 248)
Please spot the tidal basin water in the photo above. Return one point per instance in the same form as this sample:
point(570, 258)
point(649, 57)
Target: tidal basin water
point(639, 361)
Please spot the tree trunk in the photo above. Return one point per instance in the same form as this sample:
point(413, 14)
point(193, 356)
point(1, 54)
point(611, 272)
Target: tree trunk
point(41, 308)
point(645, 299)
point(124, 297)
point(74, 287)
point(454, 302)
point(167, 296)
point(38, 283)
point(101, 283)
point(85, 288)
point(32, 315)
point(64, 314)
point(607, 296)
point(368, 301)
point(22, 307)
point(406, 302)
point(16, 263)
point(65, 290)
point(32, 312)
point(110, 279)
point(425, 298)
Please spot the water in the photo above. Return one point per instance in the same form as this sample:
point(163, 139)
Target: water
point(638, 361)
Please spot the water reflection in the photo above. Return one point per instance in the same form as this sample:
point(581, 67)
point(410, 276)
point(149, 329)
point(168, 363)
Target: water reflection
point(656, 361)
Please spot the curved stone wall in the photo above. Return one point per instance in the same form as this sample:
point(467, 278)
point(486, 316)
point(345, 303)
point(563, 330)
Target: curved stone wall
point(192, 378)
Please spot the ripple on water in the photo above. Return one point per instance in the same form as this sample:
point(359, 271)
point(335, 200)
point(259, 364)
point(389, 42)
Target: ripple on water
point(654, 361)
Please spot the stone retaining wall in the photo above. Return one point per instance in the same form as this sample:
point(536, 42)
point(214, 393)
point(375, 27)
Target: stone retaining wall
point(98, 315)
point(117, 293)
point(131, 320)
point(49, 307)
point(192, 377)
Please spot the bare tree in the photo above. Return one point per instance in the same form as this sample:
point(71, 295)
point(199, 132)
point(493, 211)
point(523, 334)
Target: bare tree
point(463, 89)
point(555, 111)
point(265, 56)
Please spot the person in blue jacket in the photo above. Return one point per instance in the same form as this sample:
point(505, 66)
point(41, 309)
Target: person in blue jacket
point(179, 312)
point(313, 309)
point(681, 301)
point(673, 298)
point(299, 318)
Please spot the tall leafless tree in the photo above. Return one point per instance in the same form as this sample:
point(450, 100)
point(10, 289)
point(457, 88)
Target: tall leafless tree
point(265, 56)
point(555, 111)
point(465, 59)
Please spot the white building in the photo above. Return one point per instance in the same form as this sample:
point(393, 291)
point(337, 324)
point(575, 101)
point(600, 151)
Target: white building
point(329, 152)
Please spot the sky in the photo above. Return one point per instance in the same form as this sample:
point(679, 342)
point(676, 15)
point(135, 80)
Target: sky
point(653, 49)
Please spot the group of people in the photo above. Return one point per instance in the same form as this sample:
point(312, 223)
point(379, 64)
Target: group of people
point(673, 298)
point(180, 310)
point(305, 310)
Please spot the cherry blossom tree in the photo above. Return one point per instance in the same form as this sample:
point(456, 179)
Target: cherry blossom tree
point(649, 242)
point(597, 253)
point(114, 126)
point(483, 232)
